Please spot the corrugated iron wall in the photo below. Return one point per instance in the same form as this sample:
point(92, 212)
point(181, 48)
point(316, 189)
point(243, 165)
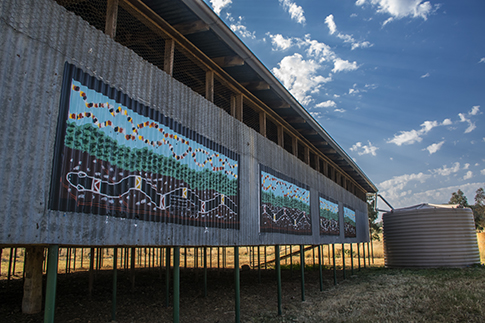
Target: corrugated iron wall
point(37, 39)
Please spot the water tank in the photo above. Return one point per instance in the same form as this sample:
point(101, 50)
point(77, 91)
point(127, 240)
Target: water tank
point(430, 235)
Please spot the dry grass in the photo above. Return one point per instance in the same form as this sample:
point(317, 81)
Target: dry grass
point(385, 295)
point(481, 246)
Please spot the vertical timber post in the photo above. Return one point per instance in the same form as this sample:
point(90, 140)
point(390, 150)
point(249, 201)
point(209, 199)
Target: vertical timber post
point(278, 277)
point(302, 265)
point(237, 283)
point(32, 299)
point(363, 252)
point(176, 284)
point(50, 292)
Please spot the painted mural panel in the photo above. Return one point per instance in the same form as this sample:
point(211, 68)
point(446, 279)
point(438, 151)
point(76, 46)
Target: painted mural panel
point(117, 157)
point(329, 217)
point(285, 204)
point(349, 223)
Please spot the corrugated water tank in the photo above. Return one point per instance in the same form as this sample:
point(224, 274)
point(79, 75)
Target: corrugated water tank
point(430, 235)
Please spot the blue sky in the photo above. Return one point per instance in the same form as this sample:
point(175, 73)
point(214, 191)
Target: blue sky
point(399, 84)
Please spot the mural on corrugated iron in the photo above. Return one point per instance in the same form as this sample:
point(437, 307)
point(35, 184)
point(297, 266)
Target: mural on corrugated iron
point(329, 219)
point(285, 204)
point(118, 157)
point(349, 223)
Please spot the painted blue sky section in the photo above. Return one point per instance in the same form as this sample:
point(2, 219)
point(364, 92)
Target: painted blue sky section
point(327, 205)
point(348, 213)
point(282, 188)
point(205, 158)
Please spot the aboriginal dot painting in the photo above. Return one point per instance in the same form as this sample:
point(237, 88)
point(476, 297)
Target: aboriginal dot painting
point(118, 157)
point(329, 219)
point(285, 204)
point(349, 223)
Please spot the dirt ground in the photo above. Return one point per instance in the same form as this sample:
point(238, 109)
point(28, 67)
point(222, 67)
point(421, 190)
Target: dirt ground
point(147, 302)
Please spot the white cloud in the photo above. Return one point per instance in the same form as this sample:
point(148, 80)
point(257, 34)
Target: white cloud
point(482, 171)
point(438, 196)
point(435, 147)
point(425, 75)
point(471, 125)
point(296, 12)
point(300, 76)
point(218, 5)
point(466, 166)
point(321, 51)
point(388, 20)
point(332, 27)
point(393, 188)
point(482, 60)
point(279, 42)
point(412, 136)
point(446, 171)
point(361, 149)
point(238, 27)
point(401, 8)
point(326, 104)
point(468, 175)
point(340, 110)
point(475, 110)
point(446, 122)
point(344, 65)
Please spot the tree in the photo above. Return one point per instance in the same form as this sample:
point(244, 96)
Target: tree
point(459, 198)
point(375, 228)
point(479, 209)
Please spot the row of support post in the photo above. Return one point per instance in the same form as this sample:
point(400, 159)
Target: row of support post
point(35, 255)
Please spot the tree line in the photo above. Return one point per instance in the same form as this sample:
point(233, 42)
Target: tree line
point(90, 140)
point(478, 208)
point(284, 202)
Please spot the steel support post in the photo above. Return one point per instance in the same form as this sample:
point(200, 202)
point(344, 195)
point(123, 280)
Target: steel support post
point(334, 266)
point(351, 260)
point(176, 284)
point(167, 277)
point(50, 292)
point(237, 283)
point(278, 277)
point(205, 271)
point(343, 259)
point(115, 283)
point(358, 253)
point(302, 266)
point(320, 266)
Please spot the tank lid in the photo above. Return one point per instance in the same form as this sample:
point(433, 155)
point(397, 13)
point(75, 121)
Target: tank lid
point(427, 206)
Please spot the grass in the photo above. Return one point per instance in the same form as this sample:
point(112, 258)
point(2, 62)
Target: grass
point(389, 295)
